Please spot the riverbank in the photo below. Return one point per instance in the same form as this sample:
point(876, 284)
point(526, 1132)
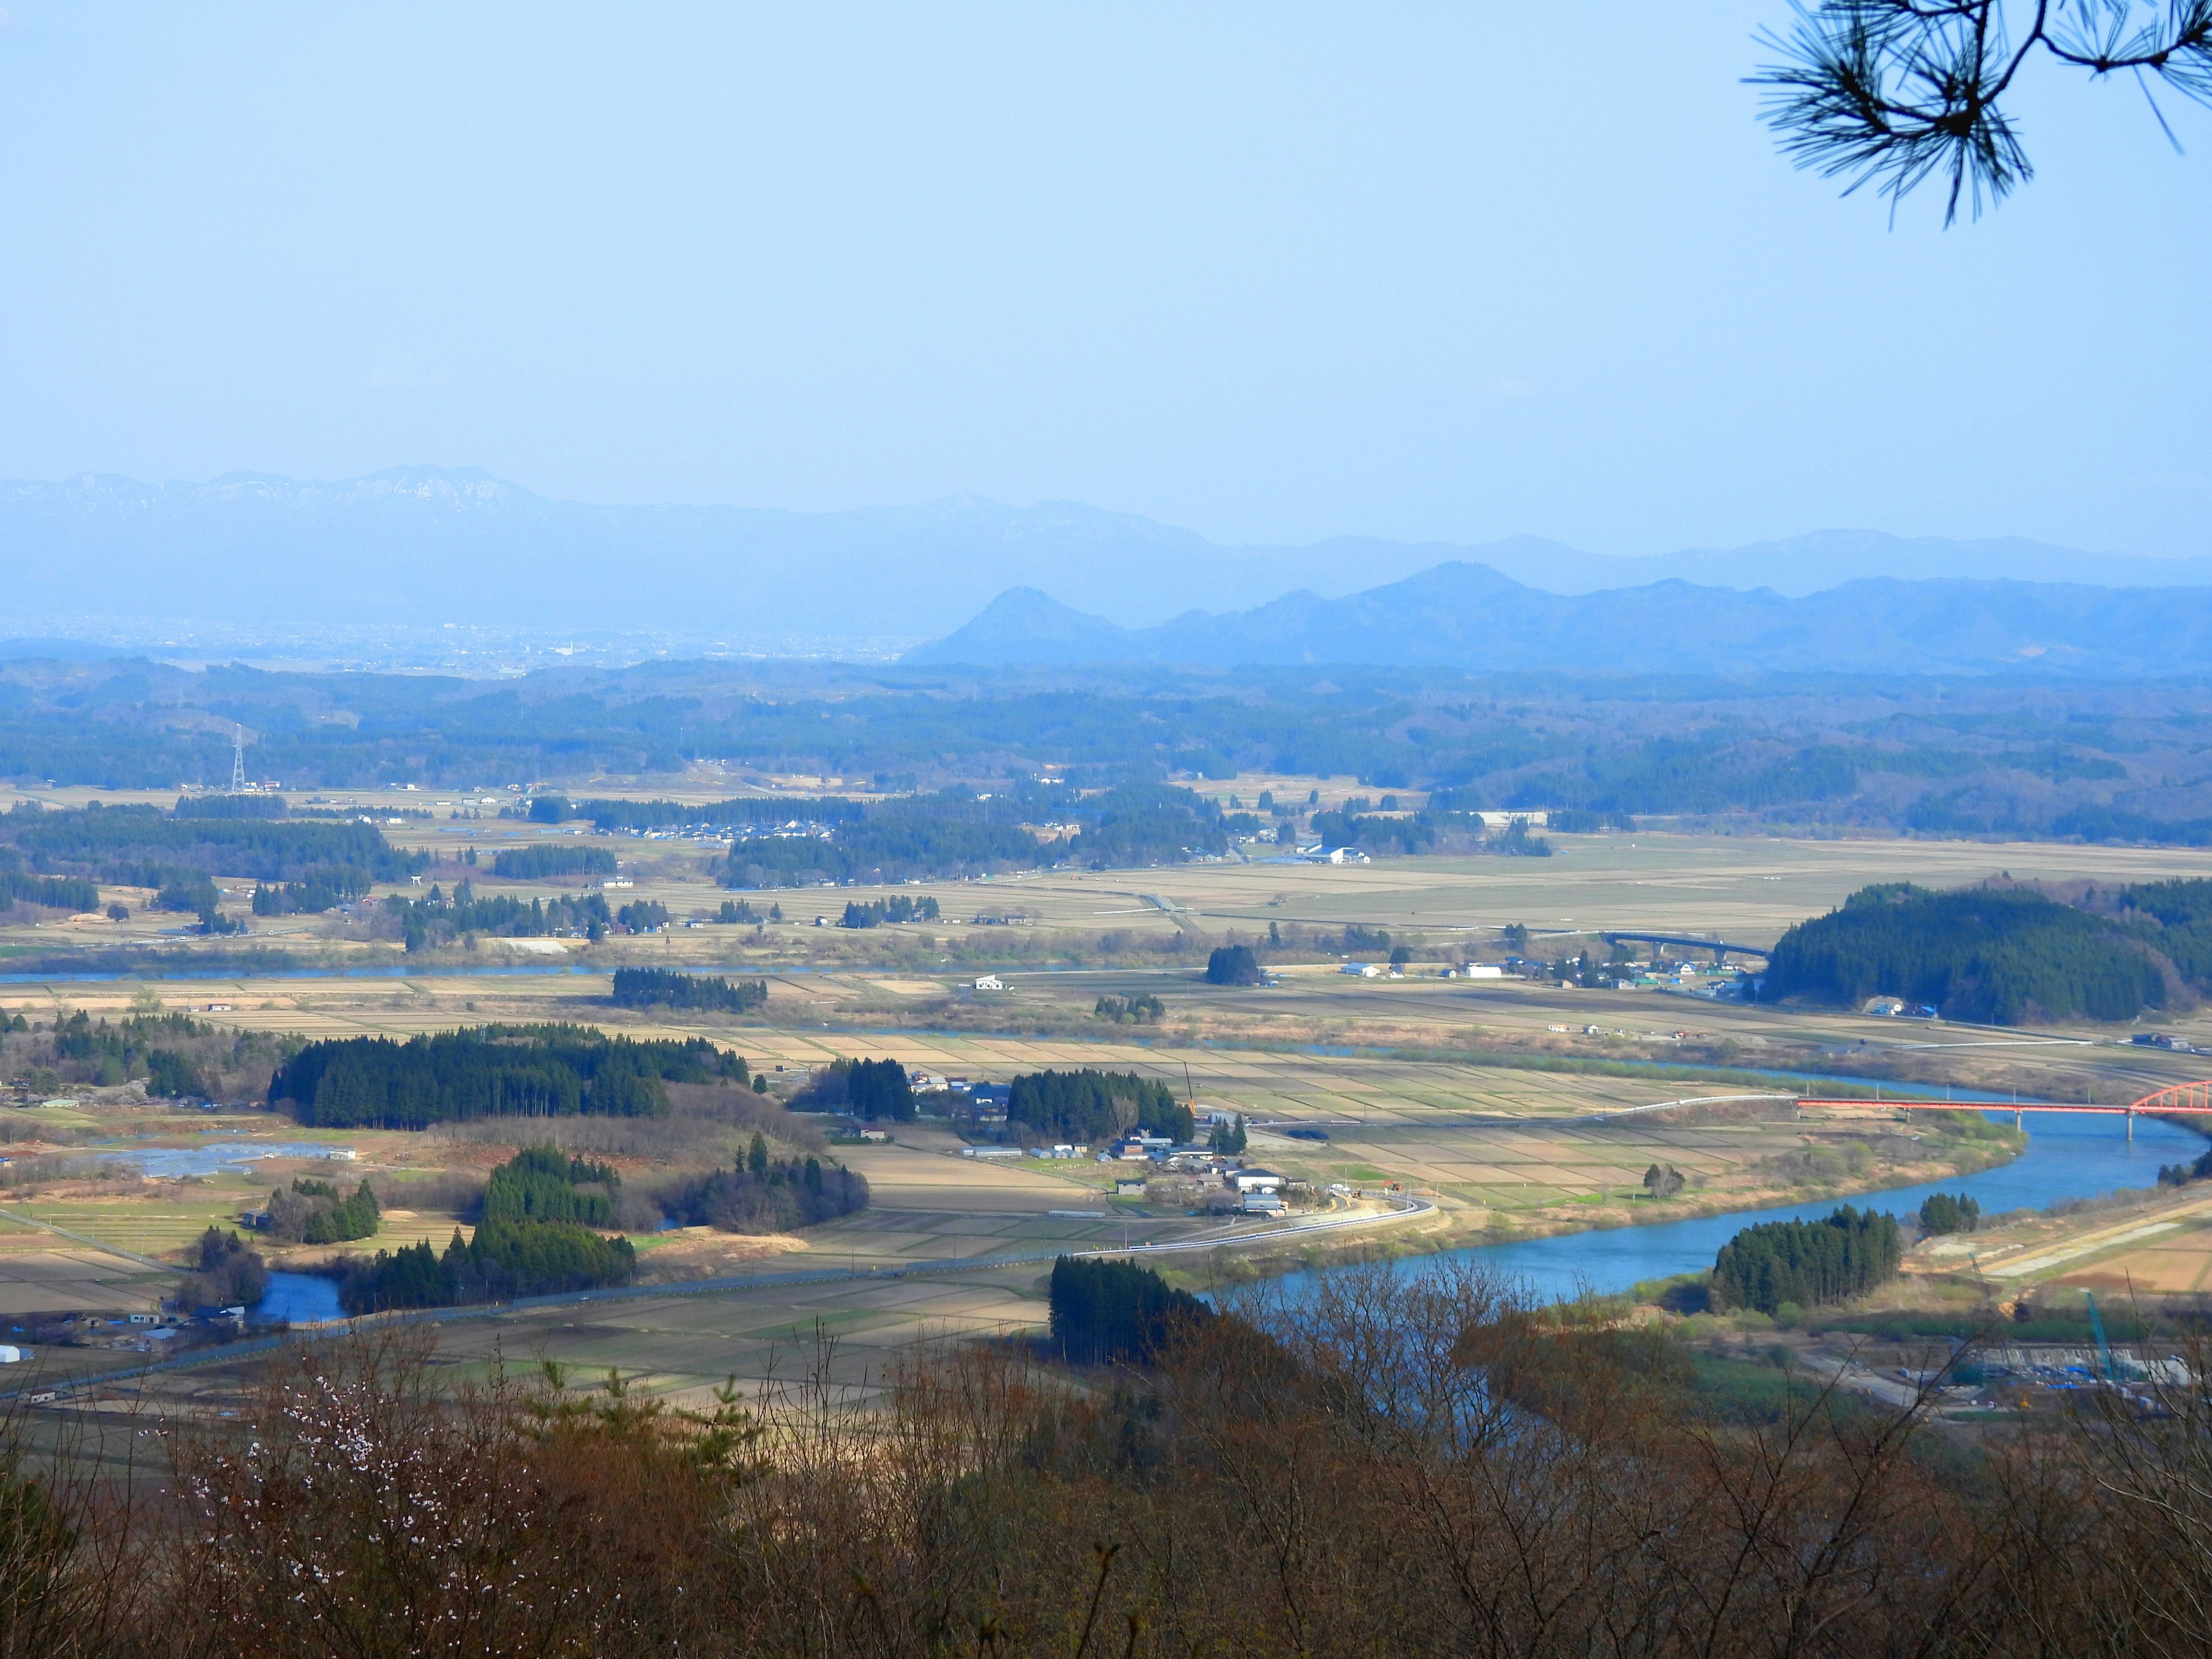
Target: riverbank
point(1456, 1227)
point(2069, 1157)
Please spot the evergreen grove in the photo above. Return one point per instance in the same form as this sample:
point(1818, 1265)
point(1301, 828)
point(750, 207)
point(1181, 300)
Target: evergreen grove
point(545, 862)
point(664, 988)
point(1087, 1106)
point(878, 1090)
point(1809, 1263)
point(312, 1212)
point(535, 1239)
point(542, 1183)
point(503, 1260)
point(491, 1071)
point(1105, 1311)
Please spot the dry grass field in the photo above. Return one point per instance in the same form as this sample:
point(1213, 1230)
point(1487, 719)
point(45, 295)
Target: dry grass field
point(1479, 1094)
point(2157, 1245)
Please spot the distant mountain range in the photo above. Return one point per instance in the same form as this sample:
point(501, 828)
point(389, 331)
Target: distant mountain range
point(1470, 616)
point(426, 545)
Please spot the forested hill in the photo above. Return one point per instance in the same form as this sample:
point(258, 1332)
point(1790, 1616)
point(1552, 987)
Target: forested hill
point(2001, 954)
point(146, 847)
point(2019, 757)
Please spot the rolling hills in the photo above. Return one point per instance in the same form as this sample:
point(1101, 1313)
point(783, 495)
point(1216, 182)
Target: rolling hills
point(1471, 617)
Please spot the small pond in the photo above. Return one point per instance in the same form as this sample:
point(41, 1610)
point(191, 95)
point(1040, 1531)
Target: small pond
point(299, 1298)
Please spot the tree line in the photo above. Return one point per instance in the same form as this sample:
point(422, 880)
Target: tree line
point(298, 898)
point(501, 1261)
point(18, 885)
point(134, 1047)
point(878, 1090)
point(1431, 830)
point(492, 1071)
point(145, 847)
point(746, 810)
point(547, 861)
point(898, 907)
point(1143, 1009)
point(231, 806)
point(664, 988)
point(435, 920)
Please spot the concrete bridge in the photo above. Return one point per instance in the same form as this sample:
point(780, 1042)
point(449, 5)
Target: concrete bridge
point(1720, 947)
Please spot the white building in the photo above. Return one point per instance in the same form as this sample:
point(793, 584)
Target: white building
point(1253, 1180)
point(1364, 969)
point(990, 982)
point(1333, 855)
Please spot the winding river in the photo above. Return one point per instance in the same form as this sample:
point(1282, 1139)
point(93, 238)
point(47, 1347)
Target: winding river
point(2069, 1154)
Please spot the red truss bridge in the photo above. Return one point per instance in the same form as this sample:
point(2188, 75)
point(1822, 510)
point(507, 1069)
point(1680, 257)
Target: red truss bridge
point(2191, 1099)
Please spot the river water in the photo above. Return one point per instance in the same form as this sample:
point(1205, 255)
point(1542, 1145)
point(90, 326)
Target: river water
point(2069, 1154)
point(214, 1157)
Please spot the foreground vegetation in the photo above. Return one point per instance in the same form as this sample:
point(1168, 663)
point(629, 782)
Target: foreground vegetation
point(1410, 1466)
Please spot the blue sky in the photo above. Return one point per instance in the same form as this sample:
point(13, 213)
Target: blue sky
point(1273, 271)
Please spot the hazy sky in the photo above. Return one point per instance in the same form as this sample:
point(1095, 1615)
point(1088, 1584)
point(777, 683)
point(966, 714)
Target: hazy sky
point(1273, 271)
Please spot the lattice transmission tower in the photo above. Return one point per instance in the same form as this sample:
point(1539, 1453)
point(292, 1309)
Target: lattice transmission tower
point(238, 761)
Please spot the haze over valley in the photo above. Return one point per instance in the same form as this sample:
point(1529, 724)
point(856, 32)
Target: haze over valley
point(1064, 832)
point(100, 560)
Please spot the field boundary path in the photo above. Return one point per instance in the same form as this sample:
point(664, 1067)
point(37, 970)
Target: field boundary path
point(101, 1245)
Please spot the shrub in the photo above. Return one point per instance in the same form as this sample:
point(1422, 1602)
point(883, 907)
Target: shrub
point(1944, 1212)
point(1233, 964)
